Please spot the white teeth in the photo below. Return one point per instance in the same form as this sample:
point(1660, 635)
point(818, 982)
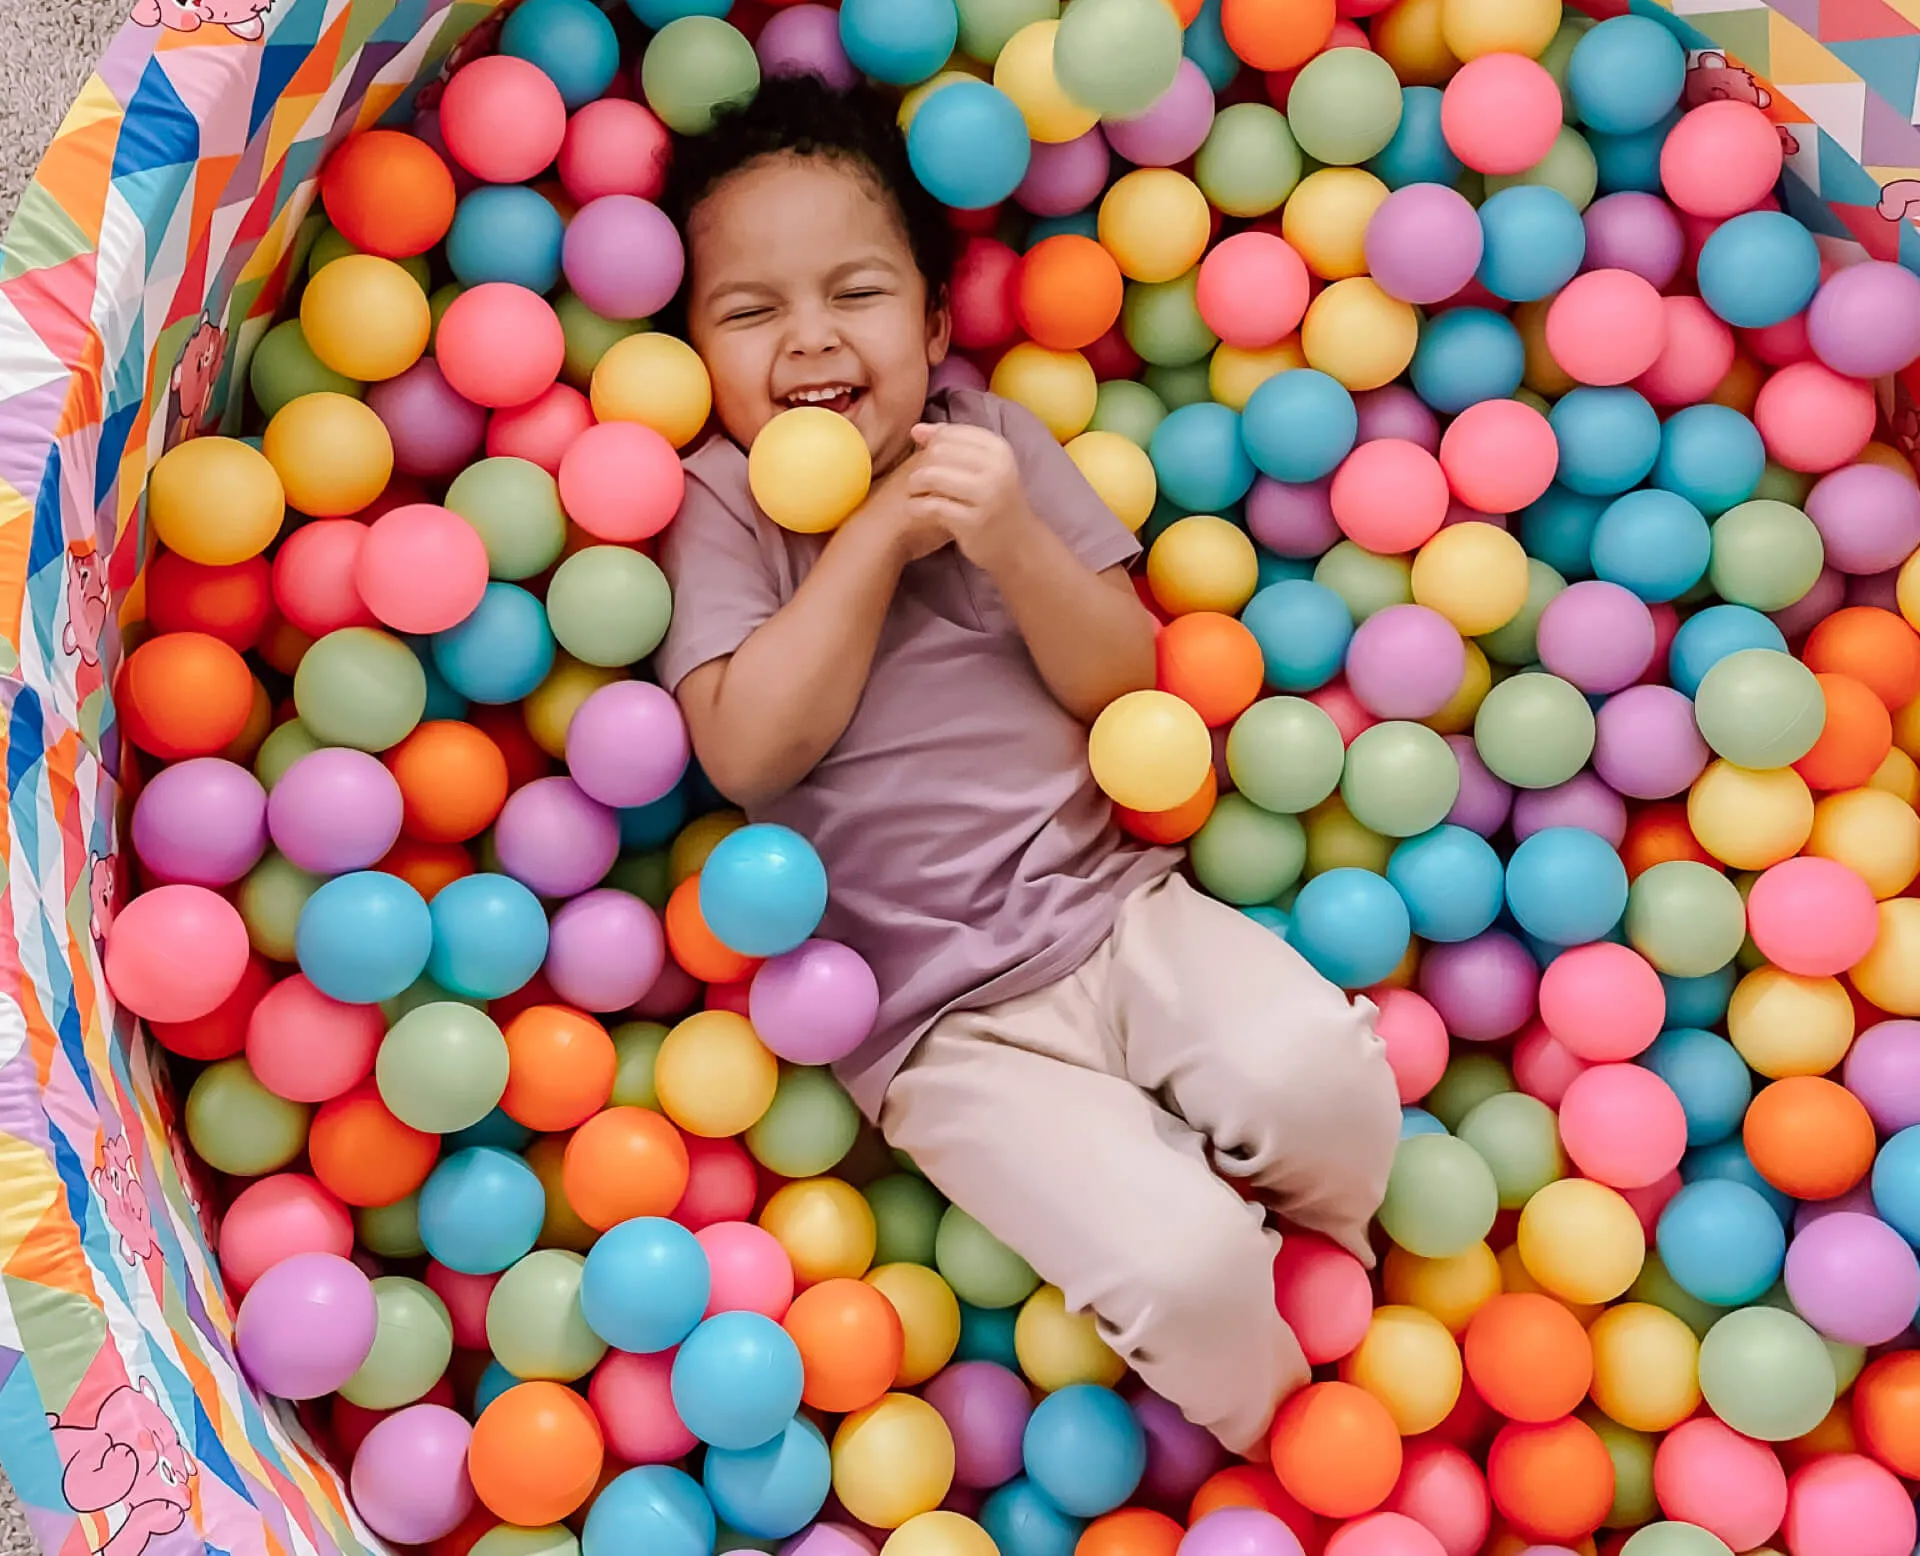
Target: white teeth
point(818, 396)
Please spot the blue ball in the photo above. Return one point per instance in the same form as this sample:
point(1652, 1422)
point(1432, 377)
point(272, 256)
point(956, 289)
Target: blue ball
point(1200, 459)
point(763, 890)
point(657, 13)
point(1626, 75)
point(1302, 628)
point(481, 1210)
point(644, 828)
point(1450, 880)
point(1351, 925)
point(502, 651)
point(1653, 542)
point(1079, 224)
point(1721, 1242)
point(1084, 1450)
point(1566, 885)
point(902, 42)
point(1466, 355)
point(495, 1130)
point(1712, 456)
point(1273, 569)
point(573, 43)
point(364, 937)
point(443, 702)
point(1728, 1159)
point(1534, 241)
point(1609, 438)
point(1896, 1183)
point(495, 1380)
point(1558, 530)
point(1206, 45)
point(968, 144)
point(1708, 636)
point(1418, 1121)
point(774, 1490)
point(1418, 152)
point(656, 1509)
point(506, 232)
point(1699, 1002)
point(1274, 920)
point(1631, 162)
point(736, 1380)
point(1709, 1077)
point(1024, 1522)
point(1298, 426)
point(1758, 269)
point(986, 1334)
point(646, 1285)
point(489, 936)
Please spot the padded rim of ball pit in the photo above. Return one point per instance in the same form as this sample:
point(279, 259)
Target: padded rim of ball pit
point(147, 258)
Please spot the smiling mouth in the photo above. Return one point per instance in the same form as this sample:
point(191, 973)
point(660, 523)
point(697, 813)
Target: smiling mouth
point(838, 398)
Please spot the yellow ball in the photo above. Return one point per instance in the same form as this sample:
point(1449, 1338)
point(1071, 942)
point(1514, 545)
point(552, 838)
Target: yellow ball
point(1024, 71)
point(560, 1225)
point(1786, 1025)
point(655, 380)
point(1452, 1289)
point(929, 1315)
point(1357, 334)
point(1872, 832)
point(1542, 374)
point(714, 1075)
point(1474, 574)
point(1335, 841)
point(1057, 1348)
point(215, 501)
point(1646, 1367)
point(1410, 1363)
point(1749, 819)
point(1408, 36)
point(697, 839)
point(809, 469)
point(1475, 27)
point(1119, 471)
point(1149, 751)
point(1515, 1277)
point(1581, 1240)
point(1456, 718)
point(332, 453)
point(1203, 563)
point(940, 1533)
point(825, 1224)
point(1234, 372)
point(1878, 453)
point(1155, 223)
point(1325, 219)
point(1898, 775)
point(892, 1461)
point(365, 317)
point(1057, 386)
point(551, 705)
point(1889, 974)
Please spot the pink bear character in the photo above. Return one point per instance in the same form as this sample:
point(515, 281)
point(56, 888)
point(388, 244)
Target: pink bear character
point(199, 364)
point(174, 15)
point(1714, 77)
point(242, 18)
point(101, 878)
point(118, 1185)
point(128, 1464)
point(87, 602)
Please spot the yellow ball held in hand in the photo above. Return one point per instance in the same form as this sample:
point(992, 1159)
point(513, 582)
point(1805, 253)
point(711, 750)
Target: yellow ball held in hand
point(1057, 386)
point(1203, 563)
point(1357, 334)
point(1149, 751)
point(1474, 574)
point(929, 1318)
point(1120, 474)
point(1057, 1348)
point(825, 1225)
point(892, 1461)
point(1155, 223)
point(656, 380)
point(332, 453)
point(940, 1533)
point(1024, 71)
point(365, 317)
point(215, 501)
point(714, 1075)
point(809, 469)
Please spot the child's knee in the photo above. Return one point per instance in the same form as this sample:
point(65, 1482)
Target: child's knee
point(1205, 1269)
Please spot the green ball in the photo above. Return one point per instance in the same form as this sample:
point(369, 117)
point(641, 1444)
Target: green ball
point(332, 245)
point(906, 1217)
point(1179, 386)
point(726, 1540)
point(1557, 57)
point(1514, 643)
point(1655, 1286)
point(1766, 554)
point(1534, 730)
point(1518, 1137)
point(1468, 1080)
point(1250, 161)
point(1367, 581)
point(439, 300)
point(360, 687)
point(1401, 779)
point(411, 1348)
point(239, 1127)
point(1161, 321)
point(810, 1124)
point(982, 1270)
point(1285, 754)
point(423, 991)
point(1632, 1454)
point(1128, 408)
point(636, 1049)
point(392, 1231)
point(1779, 484)
point(534, 1323)
point(1668, 1538)
point(985, 26)
point(695, 66)
point(1848, 1360)
point(589, 337)
point(1117, 56)
point(284, 368)
point(646, 876)
point(1760, 708)
point(442, 1067)
point(1441, 1197)
point(1765, 1373)
point(609, 605)
point(514, 505)
point(1568, 168)
point(284, 746)
point(1344, 107)
point(513, 1540)
point(270, 901)
point(1245, 855)
point(1686, 918)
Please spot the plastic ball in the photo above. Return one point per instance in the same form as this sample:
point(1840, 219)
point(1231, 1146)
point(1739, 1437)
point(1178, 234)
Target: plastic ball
point(1859, 323)
point(1500, 112)
point(694, 67)
point(1335, 1450)
point(1556, 1479)
point(1581, 1241)
point(388, 193)
point(1765, 1373)
point(968, 144)
point(1812, 419)
point(1358, 334)
point(656, 380)
point(1299, 426)
point(1149, 751)
point(409, 1479)
point(1720, 159)
point(645, 1287)
point(499, 345)
point(1441, 1197)
point(1625, 76)
point(1327, 217)
point(1533, 243)
point(1499, 455)
point(1344, 106)
point(306, 1325)
point(1154, 222)
point(1252, 290)
point(930, 1314)
point(1760, 709)
point(892, 1461)
point(1758, 269)
point(1351, 925)
point(1410, 1363)
point(331, 452)
point(364, 317)
point(364, 937)
point(654, 1504)
point(763, 890)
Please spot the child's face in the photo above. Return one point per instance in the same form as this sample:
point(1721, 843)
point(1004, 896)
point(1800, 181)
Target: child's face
point(804, 291)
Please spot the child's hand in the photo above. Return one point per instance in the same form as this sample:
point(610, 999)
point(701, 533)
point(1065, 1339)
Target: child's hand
point(966, 480)
point(889, 514)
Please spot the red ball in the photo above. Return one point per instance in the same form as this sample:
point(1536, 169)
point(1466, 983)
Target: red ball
point(389, 194)
point(982, 295)
point(229, 603)
point(542, 430)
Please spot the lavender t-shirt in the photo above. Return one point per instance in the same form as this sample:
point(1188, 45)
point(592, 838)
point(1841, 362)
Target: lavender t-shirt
point(971, 857)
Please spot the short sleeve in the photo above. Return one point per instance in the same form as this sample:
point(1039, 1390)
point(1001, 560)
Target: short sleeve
point(723, 584)
point(1061, 495)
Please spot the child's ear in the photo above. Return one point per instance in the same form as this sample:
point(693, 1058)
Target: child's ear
point(939, 327)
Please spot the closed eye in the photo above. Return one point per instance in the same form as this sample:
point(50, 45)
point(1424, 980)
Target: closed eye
point(745, 315)
point(861, 294)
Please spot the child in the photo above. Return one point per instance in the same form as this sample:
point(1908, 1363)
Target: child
point(1074, 1045)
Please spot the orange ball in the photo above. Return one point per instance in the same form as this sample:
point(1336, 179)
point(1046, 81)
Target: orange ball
point(1553, 1481)
point(389, 194)
point(1067, 292)
point(1886, 1412)
point(1659, 833)
point(1855, 740)
point(427, 867)
point(282, 644)
point(362, 1154)
point(1809, 1137)
point(560, 1065)
point(1132, 1531)
point(1171, 826)
point(694, 946)
point(622, 1163)
point(535, 1454)
point(1529, 1357)
point(230, 603)
point(1335, 1450)
point(1876, 647)
point(1277, 34)
point(184, 694)
point(850, 1340)
point(1210, 662)
point(453, 781)
point(1250, 1485)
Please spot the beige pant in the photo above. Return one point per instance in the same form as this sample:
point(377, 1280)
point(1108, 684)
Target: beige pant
point(1088, 1126)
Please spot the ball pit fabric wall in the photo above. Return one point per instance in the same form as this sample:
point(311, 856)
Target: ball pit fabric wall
point(147, 258)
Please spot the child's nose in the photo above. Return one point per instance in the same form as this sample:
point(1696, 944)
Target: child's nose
point(813, 331)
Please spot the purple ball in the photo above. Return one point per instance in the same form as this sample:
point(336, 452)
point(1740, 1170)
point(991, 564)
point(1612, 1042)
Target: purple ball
point(814, 1005)
point(1293, 521)
point(1858, 1200)
point(1240, 1531)
point(409, 1478)
point(622, 257)
point(604, 949)
point(1853, 1278)
point(306, 1325)
point(1484, 988)
point(801, 40)
point(554, 839)
point(1484, 800)
point(1597, 635)
point(1637, 232)
point(1583, 801)
point(202, 822)
point(627, 744)
point(1395, 411)
point(1828, 594)
point(1646, 744)
point(1173, 129)
point(829, 1540)
point(1423, 243)
point(1868, 515)
point(1865, 320)
point(335, 810)
point(1880, 590)
point(1065, 176)
point(1180, 1455)
point(986, 1408)
point(1405, 662)
point(437, 432)
point(1883, 1071)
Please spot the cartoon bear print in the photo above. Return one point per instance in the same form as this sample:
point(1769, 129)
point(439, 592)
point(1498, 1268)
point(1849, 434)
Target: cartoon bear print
point(1900, 200)
point(128, 1464)
point(1713, 77)
point(198, 368)
point(102, 872)
point(87, 602)
point(116, 1181)
point(242, 18)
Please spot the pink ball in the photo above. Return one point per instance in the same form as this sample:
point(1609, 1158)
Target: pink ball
point(1597, 635)
point(466, 1298)
point(1706, 1473)
point(409, 1478)
point(502, 119)
point(735, 997)
point(673, 993)
point(335, 810)
point(816, 1004)
point(201, 822)
point(721, 1184)
point(1064, 176)
point(1606, 327)
point(554, 839)
point(614, 147)
point(1337, 701)
point(1323, 1294)
point(1441, 1489)
point(1173, 129)
point(1423, 243)
point(1779, 344)
point(621, 481)
point(1847, 1505)
point(307, 1047)
point(604, 950)
point(1406, 661)
point(1697, 354)
point(804, 40)
point(1484, 988)
point(1252, 290)
point(981, 295)
point(1648, 1201)
point(1647, 744)
point(499, 344)
point(1389, 496)
point(1865, 319)
point(1292, 521)
point(1623, 1126)
point(1395, 411)
point(633, 1397)
point(1384, 1534)
point(1602, 1001)
point(1720, 159)
point(1583, 801)
point(627, 744)
point(1416, 1040)
point(422, 569)
point(1813, 917)
point(1484, 799)
point(1812, 419)
point(1543, 1067)
point(313, 577)
point(274, 1218)
point(1854, 1278)
point(751, 1271)
point(1500, 113)
point(623, 257)
point(1499, 455)
point(436, 433)
point(306, 1325)
point(1634, 231)
point(1868, 516)
point(542, 430)
point(174, 953)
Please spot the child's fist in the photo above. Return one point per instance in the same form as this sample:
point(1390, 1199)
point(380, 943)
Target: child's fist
point(966, 480)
